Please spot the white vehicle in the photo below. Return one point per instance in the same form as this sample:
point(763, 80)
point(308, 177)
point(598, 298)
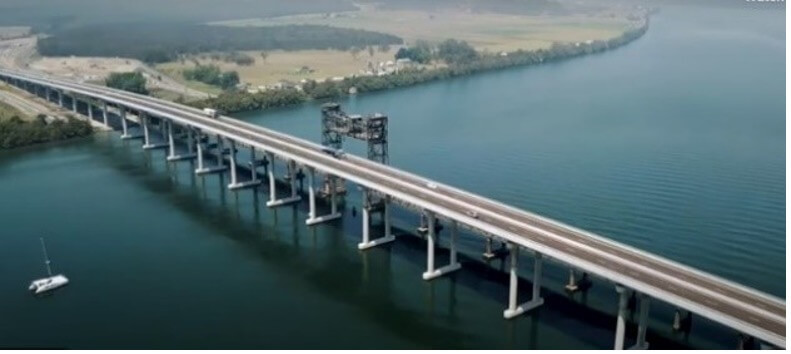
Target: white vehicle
point(472, 214)
point(431, 185)
point(332, 152)
point(212, 113)
point(39, 286)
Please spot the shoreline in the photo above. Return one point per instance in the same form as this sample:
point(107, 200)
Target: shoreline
point(245, 102)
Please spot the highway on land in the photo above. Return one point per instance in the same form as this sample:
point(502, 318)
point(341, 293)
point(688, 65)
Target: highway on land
point(733, 305)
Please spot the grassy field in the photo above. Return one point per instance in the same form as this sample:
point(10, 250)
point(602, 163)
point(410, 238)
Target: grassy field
point(282, 65)
point(494, 32)
point(488, 32)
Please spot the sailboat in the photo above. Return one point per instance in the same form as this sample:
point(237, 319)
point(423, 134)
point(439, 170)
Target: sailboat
point(51, 282)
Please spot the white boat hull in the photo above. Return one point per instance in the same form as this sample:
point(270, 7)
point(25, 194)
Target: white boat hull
point(42, 285)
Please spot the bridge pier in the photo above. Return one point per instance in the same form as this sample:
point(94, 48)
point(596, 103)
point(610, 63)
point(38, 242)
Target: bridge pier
point(367, 242)
point(312, 218)
point(104, 113)
point(235, 184)
point(60, 98)
point(147, 134)
point(273, 201)
point(90, 110)
point(572, 285)
point(453, 265)
point(74, 103)
point(642, 323)
point(125, 125)
point(620, 326)
point(202, 169)
point(488, 253)
point(513, 310)
point(172, 145)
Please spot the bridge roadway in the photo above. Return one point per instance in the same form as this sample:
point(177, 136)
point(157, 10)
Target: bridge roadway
point(743, 309)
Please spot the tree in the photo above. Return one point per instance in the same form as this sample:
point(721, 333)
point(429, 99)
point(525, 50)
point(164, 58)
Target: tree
point(129, 81)
point(264, 55)
point(456, 52)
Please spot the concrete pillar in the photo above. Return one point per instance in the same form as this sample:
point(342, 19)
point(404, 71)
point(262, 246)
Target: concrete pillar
point(620, 327)
point(366, 220)
point(60, 98)
point(453, 265)
point(311, 193)
point(199, 145)
point(386, 217)
point(488, 253)
point(642, 323)
point(253, 165)
point(74, 103)
point(234, 180)
point(271, 173)
point(514, 284)
point(366, 241)
point(146, 134)
point(537, 265)
point(171, 142)
point(90, 109)
point(124, 125)
point(430, 239)
point(104, 114)
point(454, 235)
point(202, 168)
point(513, 310)
point(273, 201)
point(47, 93)
point(572, 285)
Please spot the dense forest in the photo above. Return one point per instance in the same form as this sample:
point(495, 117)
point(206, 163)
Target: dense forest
point(455, 53)
point(15, 132)
point(161, 42)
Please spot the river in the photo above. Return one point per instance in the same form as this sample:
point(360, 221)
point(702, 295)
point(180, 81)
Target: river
point(674, 143)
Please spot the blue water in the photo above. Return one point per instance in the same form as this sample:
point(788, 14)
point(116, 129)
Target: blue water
point(673, 143)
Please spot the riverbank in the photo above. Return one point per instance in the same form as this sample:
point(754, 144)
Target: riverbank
point(242, 101)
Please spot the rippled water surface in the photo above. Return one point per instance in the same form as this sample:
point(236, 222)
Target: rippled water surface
point(674, 144)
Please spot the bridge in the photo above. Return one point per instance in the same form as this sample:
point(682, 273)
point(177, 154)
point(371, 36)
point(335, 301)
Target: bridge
point(632, 271)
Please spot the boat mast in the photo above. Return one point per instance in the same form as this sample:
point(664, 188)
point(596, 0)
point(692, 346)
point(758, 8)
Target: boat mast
point(46, 258)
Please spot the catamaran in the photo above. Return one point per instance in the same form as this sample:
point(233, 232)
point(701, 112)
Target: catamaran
point(42, 285)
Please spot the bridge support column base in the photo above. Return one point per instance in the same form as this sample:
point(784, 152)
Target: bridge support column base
point(323, 218)
point(450, 268)
point(209, 170)
point(284, 201)
point(643, 346)
point(521, 309)
point(376, 242)
point(131, 137)
point(182, 157)
point(572, 285)
point(243, 185)
point(155, 146)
